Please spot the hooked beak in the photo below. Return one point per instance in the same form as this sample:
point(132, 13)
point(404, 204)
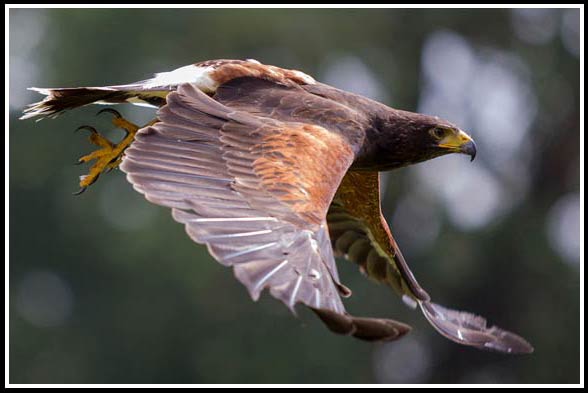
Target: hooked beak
point(460, 143)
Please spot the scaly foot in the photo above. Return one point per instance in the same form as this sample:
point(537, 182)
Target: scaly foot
point(110, 154)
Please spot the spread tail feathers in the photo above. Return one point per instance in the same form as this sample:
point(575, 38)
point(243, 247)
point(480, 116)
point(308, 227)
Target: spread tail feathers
point(59, 100)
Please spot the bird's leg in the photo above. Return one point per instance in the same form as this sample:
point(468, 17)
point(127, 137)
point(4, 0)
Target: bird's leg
point(110, 154)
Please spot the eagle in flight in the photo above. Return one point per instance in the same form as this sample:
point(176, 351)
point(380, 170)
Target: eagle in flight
point(277, 174)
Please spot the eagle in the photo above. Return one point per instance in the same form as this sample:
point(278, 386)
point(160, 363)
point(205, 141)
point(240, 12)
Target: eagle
point(278, 174)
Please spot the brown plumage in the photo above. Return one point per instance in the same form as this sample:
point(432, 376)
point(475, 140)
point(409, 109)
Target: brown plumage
point(277, 173)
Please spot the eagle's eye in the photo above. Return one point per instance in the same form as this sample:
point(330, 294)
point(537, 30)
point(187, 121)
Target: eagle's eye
point(438, 132)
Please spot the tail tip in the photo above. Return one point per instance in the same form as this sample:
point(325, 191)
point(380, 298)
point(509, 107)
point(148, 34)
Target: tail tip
point(39, 109)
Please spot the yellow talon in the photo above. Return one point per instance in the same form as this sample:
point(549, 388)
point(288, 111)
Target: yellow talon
point(109, 156)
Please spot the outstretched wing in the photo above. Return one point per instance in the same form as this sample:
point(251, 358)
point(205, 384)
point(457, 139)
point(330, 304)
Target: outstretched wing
point(256, 191)
point(360, 233)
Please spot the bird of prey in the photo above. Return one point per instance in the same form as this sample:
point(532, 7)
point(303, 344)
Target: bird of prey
point(277, 174)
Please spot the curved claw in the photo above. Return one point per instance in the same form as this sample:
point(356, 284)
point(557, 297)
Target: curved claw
point(109, 155)
point(81, 191)
point(89, 128)
point(111, 111)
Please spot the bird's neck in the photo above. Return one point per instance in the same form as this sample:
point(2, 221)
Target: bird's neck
point(388, 142)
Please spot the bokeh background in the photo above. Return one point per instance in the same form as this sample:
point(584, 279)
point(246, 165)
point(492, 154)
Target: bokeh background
point(107, 288)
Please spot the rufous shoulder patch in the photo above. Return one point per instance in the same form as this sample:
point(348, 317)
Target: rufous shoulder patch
point(222, 71)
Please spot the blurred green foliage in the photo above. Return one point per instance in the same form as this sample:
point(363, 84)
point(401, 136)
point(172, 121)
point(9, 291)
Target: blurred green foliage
point(143, 304)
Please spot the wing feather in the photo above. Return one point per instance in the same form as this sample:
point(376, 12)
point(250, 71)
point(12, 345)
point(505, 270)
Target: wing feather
point(256, 192)
point(360, 233)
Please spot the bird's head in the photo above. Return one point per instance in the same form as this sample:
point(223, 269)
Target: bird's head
point(404, 138)
point(439, 137)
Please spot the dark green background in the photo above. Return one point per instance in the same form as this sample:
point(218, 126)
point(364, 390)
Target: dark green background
point(143, 304)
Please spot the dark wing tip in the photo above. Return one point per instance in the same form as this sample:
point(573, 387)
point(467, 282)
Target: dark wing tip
point(469, 329)
point(369, 329)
